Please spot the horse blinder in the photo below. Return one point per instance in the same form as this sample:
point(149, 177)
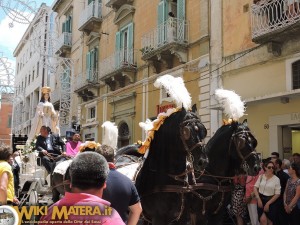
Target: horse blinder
point(186, 133)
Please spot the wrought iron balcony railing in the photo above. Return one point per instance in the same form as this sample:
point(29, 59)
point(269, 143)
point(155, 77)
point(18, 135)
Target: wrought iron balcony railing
point(88, 78)
point(171, 31)
point(124, 58)
point(93, 11)
point(64, 42)
point(274, 15)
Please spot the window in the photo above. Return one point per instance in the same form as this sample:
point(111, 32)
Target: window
point(29, 76)
point(33, 72)
point(171, 16)
point(124, 46)
point(92, 112)
point(37, 69)
point(67, 25)
point(296, 75)
point(92, 65)
point(9, 121)
point(124, 135)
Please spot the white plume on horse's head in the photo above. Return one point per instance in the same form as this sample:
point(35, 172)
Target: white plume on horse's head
point(110, 136)
point(232, 104)
point(176, 89)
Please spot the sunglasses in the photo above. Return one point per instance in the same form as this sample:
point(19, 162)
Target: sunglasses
point(270, 167)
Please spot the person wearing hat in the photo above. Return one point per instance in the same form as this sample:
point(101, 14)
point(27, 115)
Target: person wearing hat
point(45, 115)
point(88, 172)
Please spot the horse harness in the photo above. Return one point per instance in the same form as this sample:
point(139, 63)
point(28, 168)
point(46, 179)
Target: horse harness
point(238, 143)
point(193, 186)
point(190, 186)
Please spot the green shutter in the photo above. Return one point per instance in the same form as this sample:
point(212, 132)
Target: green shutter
point(130, 44)
point(70, 24)
point(181, 9)
point(96, 59)
point(118, 48)
point(181, 20)
point(63, 27)
point(88, 65)
point(162, 12)
point(67, 25)
point(93, 65)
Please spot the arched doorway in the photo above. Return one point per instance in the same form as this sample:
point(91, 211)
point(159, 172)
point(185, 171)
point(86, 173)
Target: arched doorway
point(124, 135)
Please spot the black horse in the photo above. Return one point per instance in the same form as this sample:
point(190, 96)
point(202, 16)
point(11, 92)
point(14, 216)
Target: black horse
point(175, 151)
point(230, 150)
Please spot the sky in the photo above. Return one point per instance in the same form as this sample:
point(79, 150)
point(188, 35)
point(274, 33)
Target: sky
point(10, 36)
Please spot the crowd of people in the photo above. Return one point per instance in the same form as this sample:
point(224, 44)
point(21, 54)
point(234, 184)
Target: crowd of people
point(94, 179)
point(273, 196)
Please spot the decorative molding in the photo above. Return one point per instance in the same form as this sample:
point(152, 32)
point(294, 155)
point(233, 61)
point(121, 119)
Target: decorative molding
point(123, 12)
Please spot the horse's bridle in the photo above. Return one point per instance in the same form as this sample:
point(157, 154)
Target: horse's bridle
point(185, 135)
point(244, 164)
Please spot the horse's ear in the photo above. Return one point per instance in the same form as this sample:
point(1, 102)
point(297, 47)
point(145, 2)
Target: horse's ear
point(194, 108)
point(245, 122)
point(183, 109)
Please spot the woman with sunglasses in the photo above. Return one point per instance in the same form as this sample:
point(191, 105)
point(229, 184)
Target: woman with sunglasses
point(267, 190)
point(292, 195)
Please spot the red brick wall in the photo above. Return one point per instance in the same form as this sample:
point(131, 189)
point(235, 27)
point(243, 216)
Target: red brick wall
point(5, 114)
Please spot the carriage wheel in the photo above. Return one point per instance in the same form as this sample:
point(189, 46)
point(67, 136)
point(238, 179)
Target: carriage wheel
point(33, 198)
point(32, 201)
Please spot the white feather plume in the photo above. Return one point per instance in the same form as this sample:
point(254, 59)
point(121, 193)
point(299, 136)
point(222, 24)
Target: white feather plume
point(232, 104)
point(146, 126)
point(176, 89)
point(110, 136)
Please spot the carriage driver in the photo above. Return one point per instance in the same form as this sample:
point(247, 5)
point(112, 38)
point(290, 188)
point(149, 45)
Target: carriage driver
point(49, 147)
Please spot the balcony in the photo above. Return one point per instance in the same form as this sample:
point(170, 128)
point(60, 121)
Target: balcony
point(167, 39)
point(274, 21)
point(119, 69)
point(64, 44)
point(91, 18)
point(86, 85)
point(116, 4)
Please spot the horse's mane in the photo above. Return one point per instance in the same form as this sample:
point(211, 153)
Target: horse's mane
point(167, 154)
point(129, 150)
point(217, 147)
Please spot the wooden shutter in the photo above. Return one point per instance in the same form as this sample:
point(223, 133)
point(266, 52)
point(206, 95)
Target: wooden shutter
point(63, 27)
point(69, 24)
point(118, 48)
point(181, 30)
point(162, 12)
point(181, 9)
point(88, 66)
point(130, 44)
